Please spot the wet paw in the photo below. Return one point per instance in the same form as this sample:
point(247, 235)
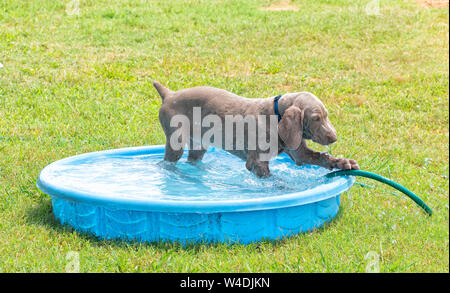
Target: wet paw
point(347, 164)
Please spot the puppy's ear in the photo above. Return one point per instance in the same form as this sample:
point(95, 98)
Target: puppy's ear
point(290, 128)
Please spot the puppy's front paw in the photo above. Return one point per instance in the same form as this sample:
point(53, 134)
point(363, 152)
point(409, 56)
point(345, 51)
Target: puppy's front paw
point(346, 164)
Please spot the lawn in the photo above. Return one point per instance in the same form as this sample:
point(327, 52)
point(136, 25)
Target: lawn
point(77, 78)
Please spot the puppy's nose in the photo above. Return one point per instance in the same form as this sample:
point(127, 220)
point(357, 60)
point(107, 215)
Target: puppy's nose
point(332, 138)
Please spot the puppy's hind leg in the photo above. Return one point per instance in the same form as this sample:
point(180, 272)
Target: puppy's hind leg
point(176, 138)
point(196, 155)
point(259, 168)
point(172, 155)
point(196, 152)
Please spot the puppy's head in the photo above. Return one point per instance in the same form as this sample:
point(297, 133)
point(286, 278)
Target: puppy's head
point(306, 118)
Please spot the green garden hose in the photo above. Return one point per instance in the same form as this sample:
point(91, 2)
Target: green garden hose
point(384, 180)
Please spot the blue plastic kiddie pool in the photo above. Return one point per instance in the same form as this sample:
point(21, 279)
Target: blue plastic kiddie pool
point(133, 194)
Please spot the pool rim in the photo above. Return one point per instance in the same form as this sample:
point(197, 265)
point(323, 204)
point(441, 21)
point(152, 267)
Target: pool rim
point(316, 194)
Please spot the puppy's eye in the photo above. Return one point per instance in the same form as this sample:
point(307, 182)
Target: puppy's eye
point(316, 118)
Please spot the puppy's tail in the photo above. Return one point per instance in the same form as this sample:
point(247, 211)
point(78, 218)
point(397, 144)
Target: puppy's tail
point(162, 91)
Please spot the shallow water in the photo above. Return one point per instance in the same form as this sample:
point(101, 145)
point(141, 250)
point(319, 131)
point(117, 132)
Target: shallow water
point(220, 176)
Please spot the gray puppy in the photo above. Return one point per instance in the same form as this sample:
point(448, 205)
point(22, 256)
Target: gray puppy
point(301, 116)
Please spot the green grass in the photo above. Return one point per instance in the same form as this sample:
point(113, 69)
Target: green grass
point(78, 83)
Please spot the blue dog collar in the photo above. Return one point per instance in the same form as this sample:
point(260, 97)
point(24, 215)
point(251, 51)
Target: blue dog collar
point(275, 107)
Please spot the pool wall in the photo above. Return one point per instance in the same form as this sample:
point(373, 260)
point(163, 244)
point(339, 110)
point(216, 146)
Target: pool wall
point(229, 227)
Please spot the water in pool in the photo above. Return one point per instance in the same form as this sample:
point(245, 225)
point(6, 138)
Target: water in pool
point(220, 176)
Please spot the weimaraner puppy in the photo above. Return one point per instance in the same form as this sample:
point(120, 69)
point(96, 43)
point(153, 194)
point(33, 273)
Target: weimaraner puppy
point(301, 116)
